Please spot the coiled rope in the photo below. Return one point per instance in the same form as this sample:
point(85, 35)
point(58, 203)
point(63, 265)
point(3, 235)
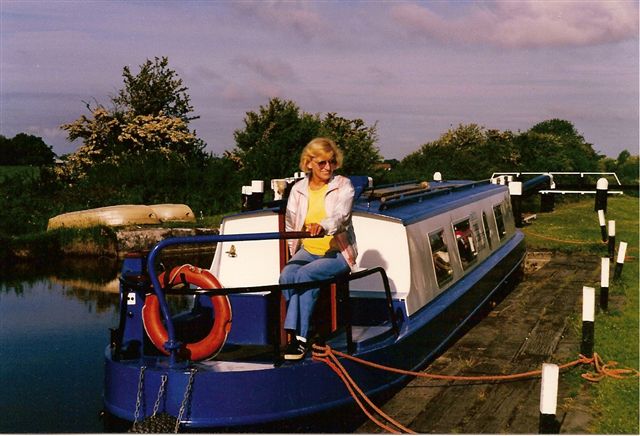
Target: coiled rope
point(330, 356)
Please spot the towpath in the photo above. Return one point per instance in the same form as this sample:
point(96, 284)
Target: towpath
point(532, 325)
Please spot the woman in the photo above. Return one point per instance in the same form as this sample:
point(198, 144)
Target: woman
point(321, 205)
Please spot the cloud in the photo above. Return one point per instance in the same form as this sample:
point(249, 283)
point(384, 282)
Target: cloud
point(298, 17)
point(525, 24)
point(275, 69)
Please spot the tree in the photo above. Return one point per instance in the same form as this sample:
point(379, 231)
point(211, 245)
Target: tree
point(625, 166)
point(356, 140)
point(473, 152)
point(24, 149)
point(150, 114)
point(541, 152)
point(155, 89)
point(466, 152)
point(578, 154)
point(269, 146)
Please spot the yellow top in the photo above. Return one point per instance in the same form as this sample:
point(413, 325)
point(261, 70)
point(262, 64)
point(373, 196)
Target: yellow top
point(315, 214)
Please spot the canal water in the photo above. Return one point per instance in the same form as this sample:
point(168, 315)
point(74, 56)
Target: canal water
point(52, 340)
point(54, 329)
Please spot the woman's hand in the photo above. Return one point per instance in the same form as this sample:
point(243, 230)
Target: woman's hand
point(315, 229)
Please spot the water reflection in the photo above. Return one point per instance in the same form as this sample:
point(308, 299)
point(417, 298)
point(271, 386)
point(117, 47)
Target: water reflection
point(55, 317)
point(86, 278)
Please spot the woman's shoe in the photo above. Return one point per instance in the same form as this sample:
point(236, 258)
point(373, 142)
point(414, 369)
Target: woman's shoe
point(296, 349)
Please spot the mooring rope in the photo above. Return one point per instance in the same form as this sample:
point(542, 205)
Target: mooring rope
point(330, 356)
point(567, 241)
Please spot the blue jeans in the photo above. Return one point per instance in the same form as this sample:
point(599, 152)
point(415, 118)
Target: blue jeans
point(307, 267)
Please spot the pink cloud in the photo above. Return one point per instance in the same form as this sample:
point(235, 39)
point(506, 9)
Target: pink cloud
point(273, 69)
point(299, 17)
point(527, 23)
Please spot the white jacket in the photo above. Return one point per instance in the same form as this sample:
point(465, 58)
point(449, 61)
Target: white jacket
point(338, 203)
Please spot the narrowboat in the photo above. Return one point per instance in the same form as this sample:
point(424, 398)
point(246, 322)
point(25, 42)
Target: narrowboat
point(203, 345)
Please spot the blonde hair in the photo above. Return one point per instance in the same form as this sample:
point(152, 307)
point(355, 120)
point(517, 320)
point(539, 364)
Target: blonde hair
point(318, 148)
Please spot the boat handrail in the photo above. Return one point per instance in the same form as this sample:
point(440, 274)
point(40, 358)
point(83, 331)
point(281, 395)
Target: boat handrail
point(432, 192)
point(173, 345)
point(274, 291)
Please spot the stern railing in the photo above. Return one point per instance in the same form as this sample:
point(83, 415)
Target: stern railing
point(173, 345)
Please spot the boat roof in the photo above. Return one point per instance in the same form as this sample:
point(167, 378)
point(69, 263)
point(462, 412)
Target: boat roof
point(409, 202)
point(415, 201)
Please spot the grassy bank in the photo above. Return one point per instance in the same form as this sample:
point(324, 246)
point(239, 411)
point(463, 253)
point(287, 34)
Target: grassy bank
point(574, 228)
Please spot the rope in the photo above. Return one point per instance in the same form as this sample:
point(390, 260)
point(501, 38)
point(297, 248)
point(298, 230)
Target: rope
point(607, 370)
point(329, 356)
point(356, 392)
point(568, 241)
point(179, 270)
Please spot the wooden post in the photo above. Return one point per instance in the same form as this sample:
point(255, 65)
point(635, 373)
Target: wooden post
point(603, 225)
point(604, 283)
point(612, 238)
point(601, 194)
point(588, 320)
point(622, 250)
point(547, 202)
point(548, 424)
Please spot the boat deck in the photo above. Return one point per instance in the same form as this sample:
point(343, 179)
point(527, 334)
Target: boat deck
point(537, 315)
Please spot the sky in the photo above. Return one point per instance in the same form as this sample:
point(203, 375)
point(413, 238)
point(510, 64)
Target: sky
point(414, 69)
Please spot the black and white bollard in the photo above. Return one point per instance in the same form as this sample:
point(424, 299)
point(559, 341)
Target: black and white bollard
point(612, 238)
point(548, 424)
point(246, 194)
point(588, 320)
point(257, 194)
point(622, 251)
point(605, 264)
point(603, 225)
point(602, 185)
point(253, 195)
point(515, 190)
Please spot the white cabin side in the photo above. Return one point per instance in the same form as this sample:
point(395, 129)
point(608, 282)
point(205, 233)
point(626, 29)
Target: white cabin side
point(248, 263)
point(382, 242)
point(463, 234)
point(409, 253)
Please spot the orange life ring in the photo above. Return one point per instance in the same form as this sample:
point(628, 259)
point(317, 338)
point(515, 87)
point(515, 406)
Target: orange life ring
point(211, 344)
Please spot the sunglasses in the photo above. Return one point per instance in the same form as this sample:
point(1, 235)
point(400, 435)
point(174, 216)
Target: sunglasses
point(323, 163)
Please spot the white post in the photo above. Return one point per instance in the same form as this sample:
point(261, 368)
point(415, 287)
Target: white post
point(602, 186)
point(246, 194)
point(612, 238)
point(603, 223)
point(549, 399)
point(604, 282)
point(588, 320)
point(515, 191)
point(257, 186)
point(622, 250)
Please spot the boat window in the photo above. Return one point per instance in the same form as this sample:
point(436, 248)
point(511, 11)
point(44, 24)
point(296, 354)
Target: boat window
point(480, 235)
point(497, 212)
point(467, 246)
point(440, 257)
point(487, 229)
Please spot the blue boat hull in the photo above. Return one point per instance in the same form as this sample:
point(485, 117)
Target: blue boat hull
point(241, 398)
